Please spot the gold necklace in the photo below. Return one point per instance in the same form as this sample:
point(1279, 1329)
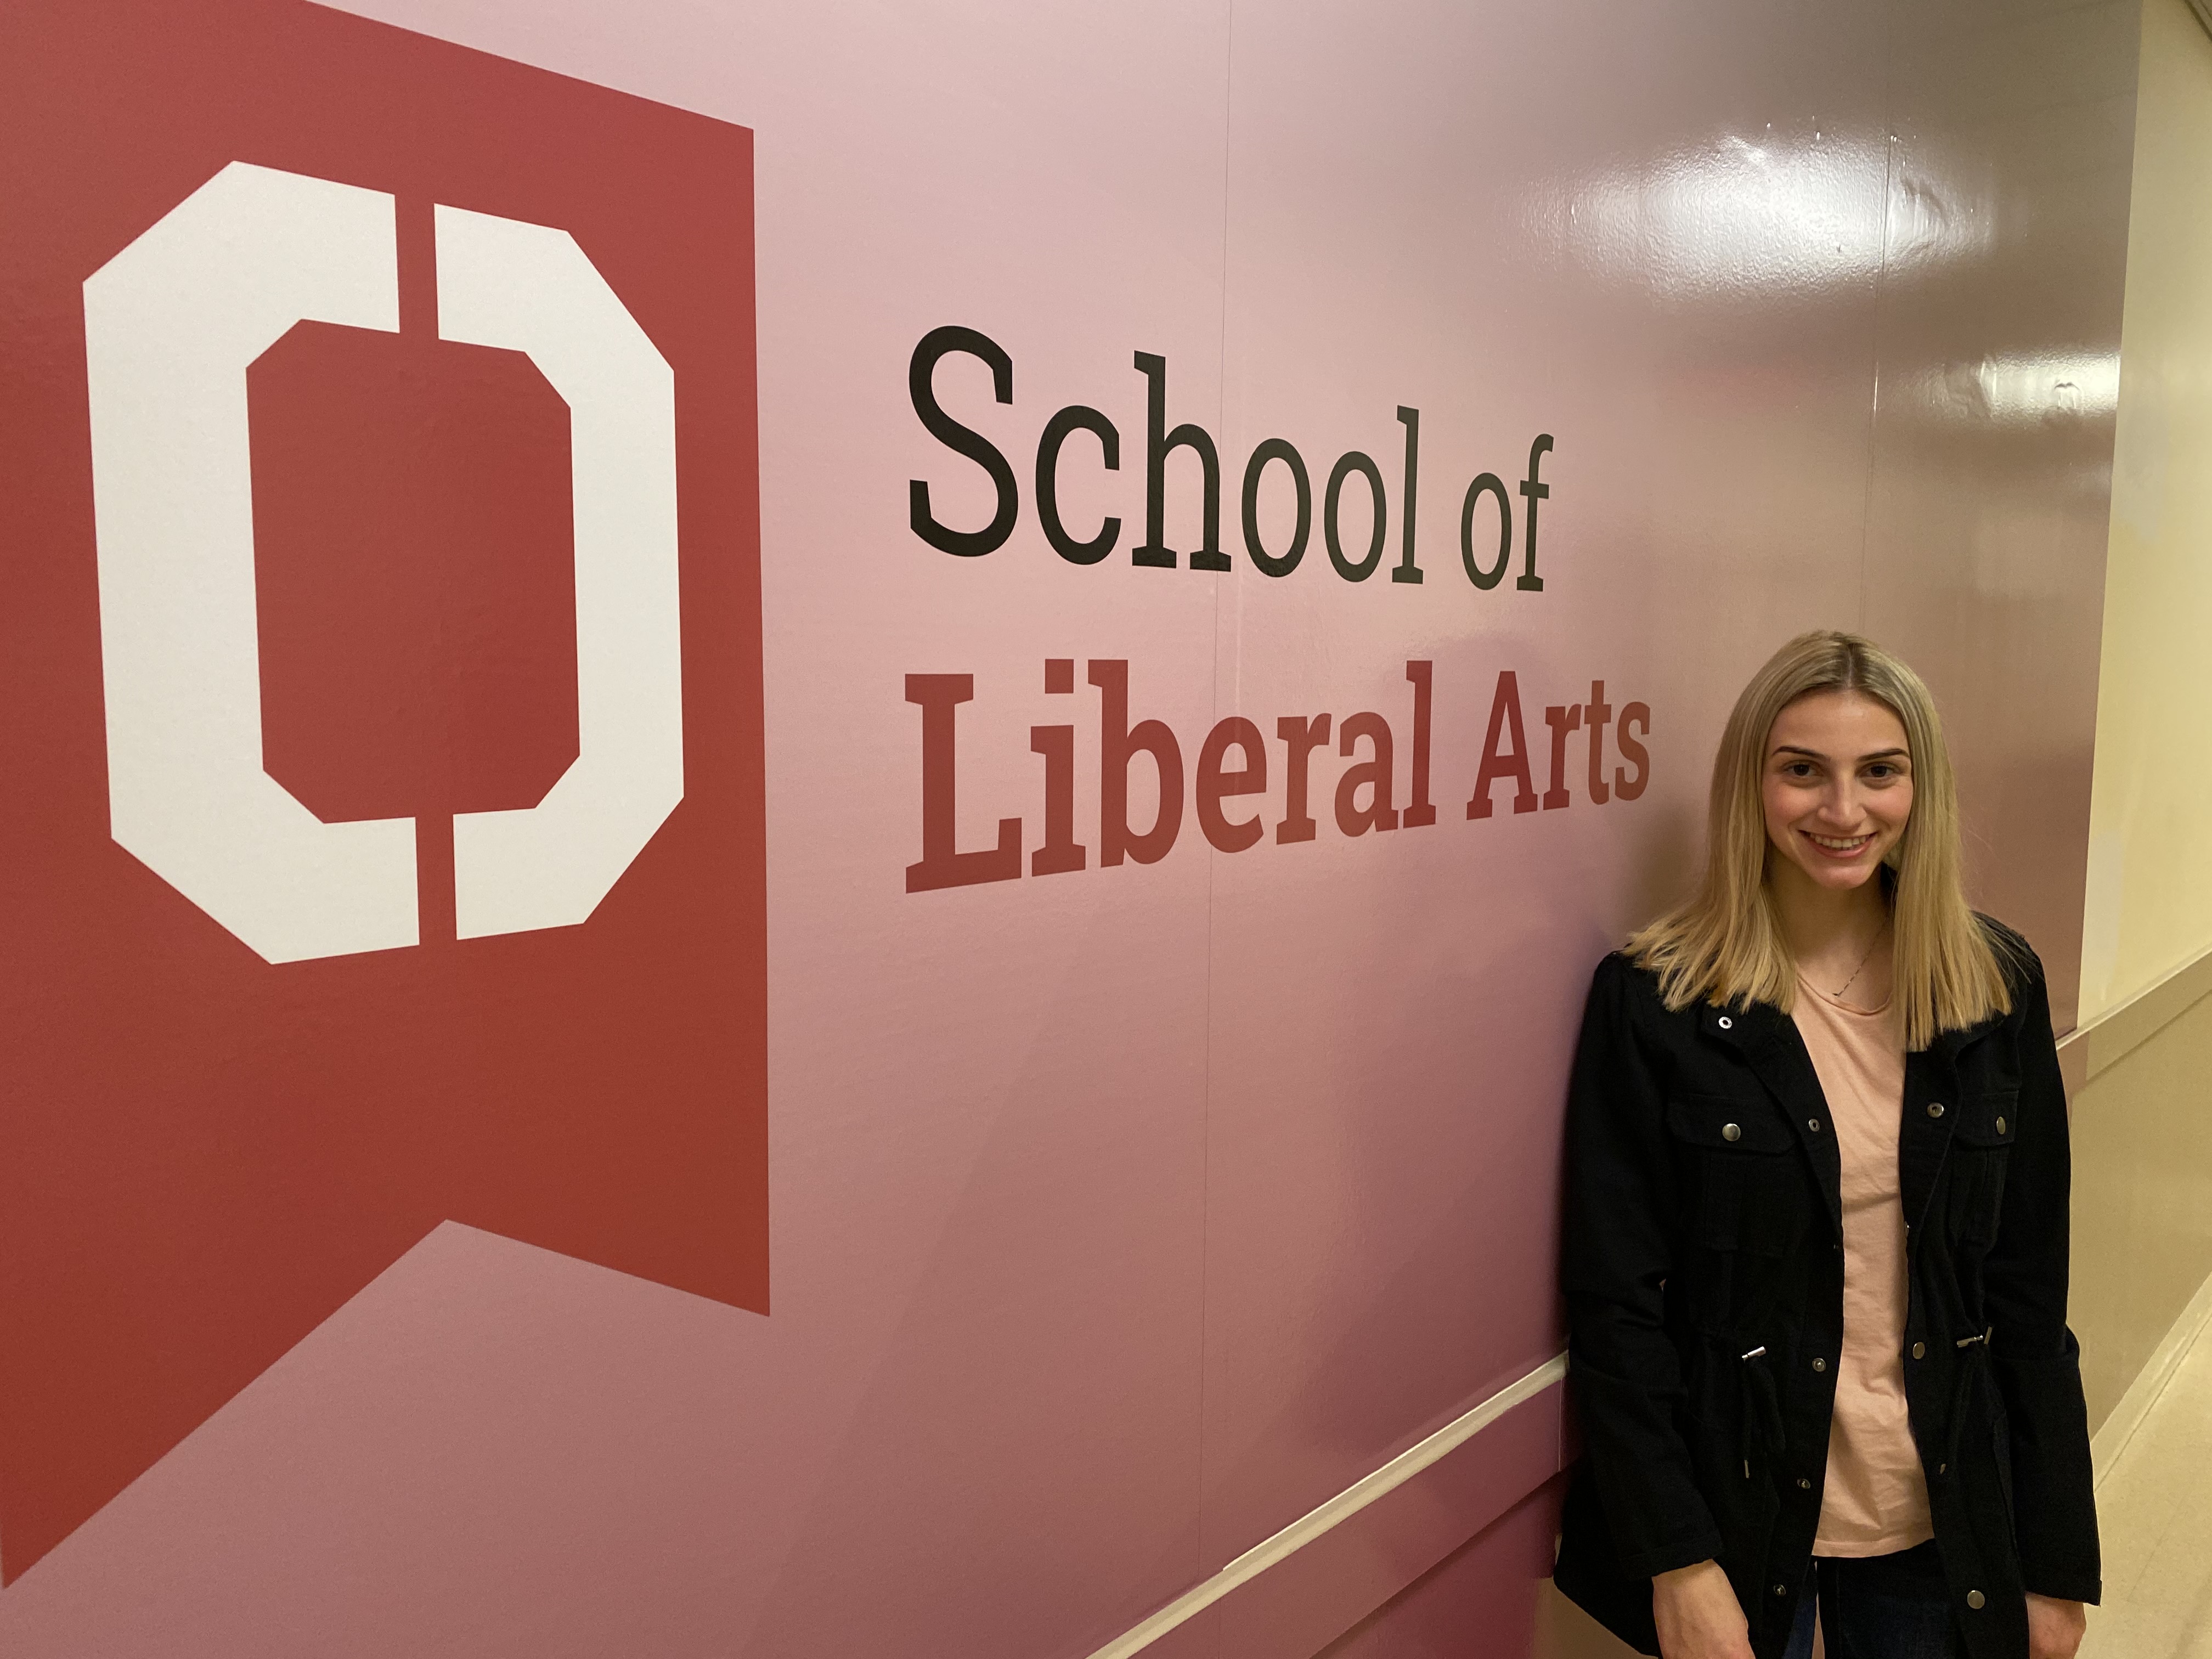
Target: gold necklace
point(1861, 969)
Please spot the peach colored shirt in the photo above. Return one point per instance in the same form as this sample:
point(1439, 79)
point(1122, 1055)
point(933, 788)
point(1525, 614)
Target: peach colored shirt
point(1876, 1496)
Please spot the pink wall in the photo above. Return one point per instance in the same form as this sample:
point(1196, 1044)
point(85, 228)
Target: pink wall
point(1118, 1216)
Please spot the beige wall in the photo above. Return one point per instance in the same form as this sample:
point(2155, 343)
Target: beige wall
point(2143, 1135)
point(2142, 1187)
point(2150, 906)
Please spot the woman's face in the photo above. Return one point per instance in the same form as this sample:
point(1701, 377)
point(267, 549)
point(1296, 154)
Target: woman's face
point(1838, 785)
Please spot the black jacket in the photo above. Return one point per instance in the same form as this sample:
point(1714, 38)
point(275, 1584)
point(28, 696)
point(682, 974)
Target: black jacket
point(1703, 1271)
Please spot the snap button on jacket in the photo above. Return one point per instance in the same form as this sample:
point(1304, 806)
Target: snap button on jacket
point(1704, 1275)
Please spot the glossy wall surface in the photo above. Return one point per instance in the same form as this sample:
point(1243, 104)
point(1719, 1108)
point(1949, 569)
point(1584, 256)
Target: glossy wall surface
point(1119, 1216)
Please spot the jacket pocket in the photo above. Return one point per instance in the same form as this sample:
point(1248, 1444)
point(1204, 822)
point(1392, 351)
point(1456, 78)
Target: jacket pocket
point(1981, 1148)
point(1747, 1188)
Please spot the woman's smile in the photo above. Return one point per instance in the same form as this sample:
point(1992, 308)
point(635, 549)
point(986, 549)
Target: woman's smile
point(1840, 847)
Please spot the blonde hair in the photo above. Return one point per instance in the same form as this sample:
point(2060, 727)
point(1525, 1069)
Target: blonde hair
point(1726, 945)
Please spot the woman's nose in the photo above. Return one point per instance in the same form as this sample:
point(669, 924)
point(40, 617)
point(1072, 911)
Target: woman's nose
point(1840, 804)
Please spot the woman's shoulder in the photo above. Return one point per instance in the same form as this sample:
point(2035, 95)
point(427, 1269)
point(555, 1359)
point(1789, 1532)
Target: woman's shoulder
point(1618, 970)
point(1620, 982)
point(1629, 1009)
point(2016, 957)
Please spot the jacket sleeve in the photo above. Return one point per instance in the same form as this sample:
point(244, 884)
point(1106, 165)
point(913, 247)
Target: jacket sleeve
point(1616, 1253)
point(2035, 1358)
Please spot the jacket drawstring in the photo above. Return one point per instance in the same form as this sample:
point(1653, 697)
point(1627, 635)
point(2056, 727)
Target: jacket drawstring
point(1972, 1365)
point(1763, 1430)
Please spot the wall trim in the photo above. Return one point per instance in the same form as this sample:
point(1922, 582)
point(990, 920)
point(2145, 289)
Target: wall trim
point(2120, 1424)
point(1346, 1503)
point(2095, 1047)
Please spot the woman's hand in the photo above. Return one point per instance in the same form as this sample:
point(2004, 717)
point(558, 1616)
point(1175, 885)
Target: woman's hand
point(1698, 1616)
point(2055, 1629)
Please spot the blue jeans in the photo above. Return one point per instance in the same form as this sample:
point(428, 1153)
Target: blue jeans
point(1882, 1607)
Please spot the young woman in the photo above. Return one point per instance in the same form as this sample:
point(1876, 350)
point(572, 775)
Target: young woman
point(1816, 1233)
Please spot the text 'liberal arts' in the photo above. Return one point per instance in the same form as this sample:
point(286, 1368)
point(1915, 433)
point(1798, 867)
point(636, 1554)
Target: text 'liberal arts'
point(1233, 771)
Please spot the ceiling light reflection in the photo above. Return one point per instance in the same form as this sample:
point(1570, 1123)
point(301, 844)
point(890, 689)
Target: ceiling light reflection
point(2027, 388)
point(1735, 218)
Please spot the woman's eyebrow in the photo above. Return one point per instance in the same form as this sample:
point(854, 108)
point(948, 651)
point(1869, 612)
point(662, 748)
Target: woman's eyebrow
point(1814, 754)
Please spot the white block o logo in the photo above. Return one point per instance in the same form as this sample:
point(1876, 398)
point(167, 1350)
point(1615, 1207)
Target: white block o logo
point(171, 324)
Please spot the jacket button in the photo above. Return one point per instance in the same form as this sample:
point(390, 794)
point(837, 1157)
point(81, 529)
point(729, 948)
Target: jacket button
point(2000, 1126)
point(1814, 1124)
point(1976, 1600)
point(1804, 1485)
point(1920, 1350)
point(1731, 1132)
point(1819, 1364)
point(1784, 1589)
point(1934, 1108)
